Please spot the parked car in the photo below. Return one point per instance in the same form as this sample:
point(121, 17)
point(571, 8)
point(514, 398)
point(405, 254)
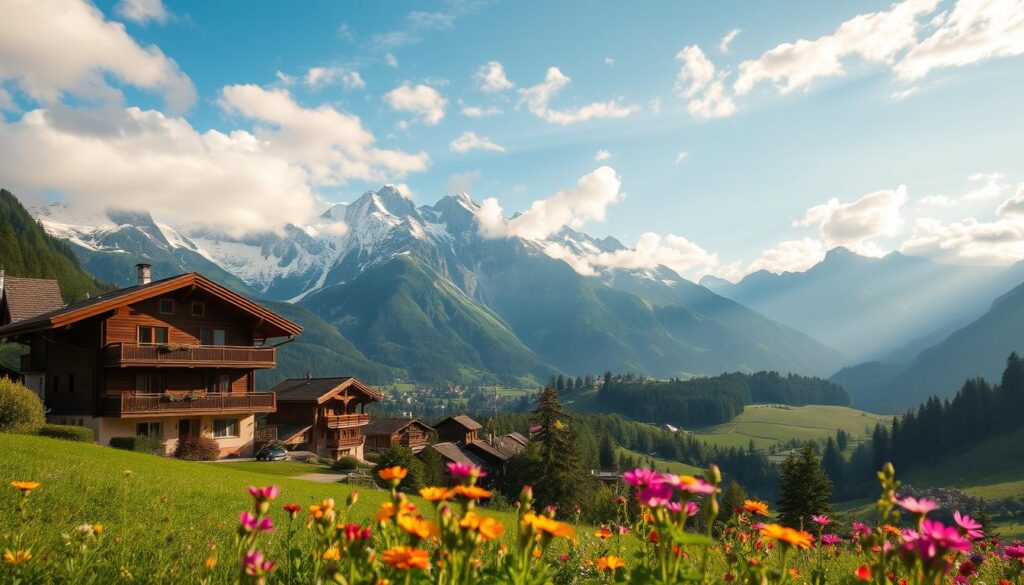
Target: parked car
point(272, 454)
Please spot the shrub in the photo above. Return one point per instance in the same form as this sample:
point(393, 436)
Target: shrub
point(401, 456)
point(346, 463)
point(68, 433)
point(21, 410)
point(142, 444)
point(312, 459)
point(201, 448)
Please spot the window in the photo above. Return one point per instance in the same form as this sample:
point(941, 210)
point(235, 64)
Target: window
point(198, 309)
point(149, 429)
point(166, 306)
point(225, 427)
point(149, 383)
point(212, 336)
point(149, 335)
point(218, 383)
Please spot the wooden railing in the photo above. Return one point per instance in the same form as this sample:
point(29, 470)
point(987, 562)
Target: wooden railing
point(131, 354)
point(338, 441)
point(142, 404)
point(344, 421)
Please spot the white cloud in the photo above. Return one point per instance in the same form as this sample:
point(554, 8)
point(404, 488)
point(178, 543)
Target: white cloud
point(973, 31)
point(480, 112)
point(461, 182)
point(345, 32)
point(573, 207)
point(902, 94)
point(422, 100)
point(391, 60)
point(143, 11)
point(468, 141)
point(333, 145)
point(491, 219)
point(875, 37)
point(723, 45)
point(431, 20)
point(988, 186)
point(284, 79)
point(937, 201)
point(853, 225)
point(602, 155)
point(537, 99)
point(609, 61)
point(653, 250)
point(402, 188)
point(681, 157)
point(318, 77)
point(491, 78)
point(53, 47)
point(790, 256)
point(702, 87)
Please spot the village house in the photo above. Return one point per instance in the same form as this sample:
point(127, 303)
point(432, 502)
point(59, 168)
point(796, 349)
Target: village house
point(459, 443)
point(458, 429)
point(382, 433)
point(171, 358)
point(325, 416)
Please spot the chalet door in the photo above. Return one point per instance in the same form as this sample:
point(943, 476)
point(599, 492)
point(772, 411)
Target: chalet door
point(184, 428)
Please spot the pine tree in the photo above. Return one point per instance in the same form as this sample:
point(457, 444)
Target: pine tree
point(560, 384)
point(561, 479)
point(804, 489)
point(842, 439)
point(608, 456)
point(832, 463)
point(732, 499)
point(570, 385)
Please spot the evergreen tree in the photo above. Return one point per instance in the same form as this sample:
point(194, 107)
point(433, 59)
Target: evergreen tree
point(570, 385)
point(732, 498)
point(842, 440)
point(804, 489)
point(561, 479)
point(609, 455)
point(560, 384)
point(832, 463)
point(579, 384)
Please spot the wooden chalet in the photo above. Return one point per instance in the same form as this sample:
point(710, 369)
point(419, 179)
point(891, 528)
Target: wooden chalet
point(323, 415)
point(382, 433)
point(458, 429)
point(172, 358)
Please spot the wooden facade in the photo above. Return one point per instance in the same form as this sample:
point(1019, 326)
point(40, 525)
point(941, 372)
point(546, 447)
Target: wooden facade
point(408, 432)
point(458, 429)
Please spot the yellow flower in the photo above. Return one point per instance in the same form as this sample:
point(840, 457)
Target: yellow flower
point(97, 528)
point(610, 563)
point(422, 529)
point(390, 473)
point(472, 492)
point(755, 507)
point(548, 526)
point(210, 563)
point(332, 554)
point(17, 557)
point(25, 486)
point(406, 557)
point(436, 494)
point(490, 528)
point(324, 508)
point(784, 534)
point(387, 510)
point(603, 533)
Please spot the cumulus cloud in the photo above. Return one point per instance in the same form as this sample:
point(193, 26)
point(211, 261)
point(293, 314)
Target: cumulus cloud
point(402, 189)
point(318, 77)
point(468, 141)
point(142, 11)
point(875, 37)
point(573, 207)
point(853, 225)
point(480, 112)
point(425, 102)
point(702, 86)
point(681, 157)
point(790, 256)
point(609, 61)
point(937, 201)
point(652, 250)
point(986, 186)
point(491, 78)
point(491, 219)
point(53, 47)
point(723, 45)
point(538, 97)
point(602, 155)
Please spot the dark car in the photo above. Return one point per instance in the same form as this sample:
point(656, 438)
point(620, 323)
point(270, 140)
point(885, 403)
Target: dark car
point(272, 454)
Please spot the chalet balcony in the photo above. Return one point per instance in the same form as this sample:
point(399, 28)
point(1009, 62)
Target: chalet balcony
point(122, 355)
point(142, 405)
point(345, 421)
point(342, 441)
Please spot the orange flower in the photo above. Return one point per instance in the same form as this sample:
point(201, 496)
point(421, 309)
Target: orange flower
point(332, 554)
point(406, 557)
point(436, 494)
point(210, 563)
point(324, 508)
point(391, 473)
point(387, 510)
point(490, 528)
point(548, 526)
point(891, 529)
point(25, 486)
point(755, 507)
point(863, 573)
point(17, 557)
point(422, 529)
point(797, 538)
point(610, 563)
point(472, 492)
point(603, 533)
point(794, 573)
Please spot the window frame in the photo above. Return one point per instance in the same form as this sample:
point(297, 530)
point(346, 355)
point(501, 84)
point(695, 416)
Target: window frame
point(213, 381)
point(149, 377)
point(149, 426)
point(233, 425)
point(160, 306)
point(153, 329)
point(212, 334)
point(192, 309)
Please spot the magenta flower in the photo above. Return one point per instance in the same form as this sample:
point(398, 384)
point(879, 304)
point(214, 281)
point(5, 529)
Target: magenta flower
point(916, 506)
point(264, 494)
point(691, 509)
point(674, 507)
point(971, 527)
point(757, 526)
point(623, 529)
point(933, 541)
point(255, 565)
point(356, 532)
point(830, 539)
point(859, 529)
point(250, 523)
point(464, 470)
point(655, 495)
point(640, 477)
point(1015, 551)
point(821, 520)
point(688, 484)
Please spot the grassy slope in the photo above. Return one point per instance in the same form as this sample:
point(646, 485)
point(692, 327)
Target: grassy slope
point(993, 469)
point(768, 425)
point(663, 464)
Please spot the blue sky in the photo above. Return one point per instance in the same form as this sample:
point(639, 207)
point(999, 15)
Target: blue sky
point(908, 115)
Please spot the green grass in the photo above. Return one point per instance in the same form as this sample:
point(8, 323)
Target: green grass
point(767, 425)
point(993, 469)
point(663, 464)
point(277, 468)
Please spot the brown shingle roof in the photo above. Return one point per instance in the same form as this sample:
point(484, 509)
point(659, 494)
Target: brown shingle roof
point(319, 389)
point(463, 421)
point(387, 426)
point(30, 297)
point(452, 452)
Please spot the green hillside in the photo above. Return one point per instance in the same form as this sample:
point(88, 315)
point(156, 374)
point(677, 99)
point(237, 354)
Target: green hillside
point(992, 469)
point(26, 250)
point(768, 425)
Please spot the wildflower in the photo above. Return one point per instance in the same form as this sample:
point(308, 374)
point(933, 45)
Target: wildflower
point(916, 506)
point(609, 563)
point(25, 487)
point(563, 557)
point(623, 530)
point(436, 494)
point(356, 532)
point(971, 527)
point(728, 577)
point(548, 526)
point(249, 522)
point(490, 528)
point(263, 494)
point(418, 527)
point(406, 557)
point(755, 507)
point(210, 563)
point(17, 557)
point(796, 538)
point(292, 509)
point(1015, 551)
point(693, 485)
point(859, 529)
point(331, 554)
point(966, 569)
point(830, 539)
point(464, 470)
point(655, 495)
point(640, 477)
point(387, 510)
point(933, 541)
point(324, 509)
point(863, 573)
point(472, 492)
point(794, 573)
point(603, 533)
point(890, 529)
point(393, 473)
point(89, 530)
point(821, 520)
point(352, 498)
point(255, 565)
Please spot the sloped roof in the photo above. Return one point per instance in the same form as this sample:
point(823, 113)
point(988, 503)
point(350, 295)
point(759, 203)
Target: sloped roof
point(388, 426)
point(30, 297)
point(517, 437)
point(273, 325)
point(463, 421)
point(495, 452)
point(320, 390)
point(452, 452)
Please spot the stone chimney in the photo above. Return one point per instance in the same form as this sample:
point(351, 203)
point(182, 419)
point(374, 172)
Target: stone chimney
point(145, 276)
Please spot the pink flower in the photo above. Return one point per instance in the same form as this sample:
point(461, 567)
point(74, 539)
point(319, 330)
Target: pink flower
point(356, 532)
point(464, 470)
point(821, 520)
point(563, 557)
point(688, 484)
point(640, 477)
point(757, 526)
point(655, 495)
point(674, 507)
point(623, 529)
point(264, 494)
point(691, 509)
point(933, 541)
point(859, 529)
point(915, 506)
point(536, 428)
point(971, 527)
point(830, 539)
point(255, 565)
point(1015, 551)
point(250, 523)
